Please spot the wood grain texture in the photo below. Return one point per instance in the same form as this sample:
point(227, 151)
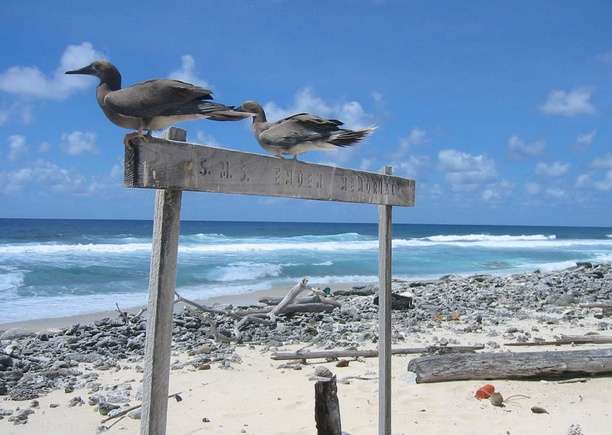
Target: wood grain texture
point(509, 365)
point(162, 282)
point(162, 164)
point(327, 408)
point(384, 317)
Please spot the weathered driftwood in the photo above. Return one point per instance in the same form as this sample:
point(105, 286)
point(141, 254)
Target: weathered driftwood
point(566, 340)
point(289, 298)
point(314, 299)
point(510, 365)
point(398, 302)
point(357, 291)
point(132, 408)
point(303, 300)
point(206, 309)
point(327, 406)
point(370, 353)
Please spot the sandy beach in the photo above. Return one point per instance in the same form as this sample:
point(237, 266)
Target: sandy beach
point(247, 392)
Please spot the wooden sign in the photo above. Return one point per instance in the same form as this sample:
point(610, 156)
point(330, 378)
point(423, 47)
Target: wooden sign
point(172, 165)
point(163, 164)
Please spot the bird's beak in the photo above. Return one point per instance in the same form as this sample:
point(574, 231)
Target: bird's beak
point(86, 70)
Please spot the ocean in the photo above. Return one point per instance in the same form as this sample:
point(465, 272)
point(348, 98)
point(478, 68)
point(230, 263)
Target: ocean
point(53, 268)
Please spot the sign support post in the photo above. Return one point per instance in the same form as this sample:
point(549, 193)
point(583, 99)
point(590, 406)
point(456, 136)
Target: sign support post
point(172, 165)
point(162, 283)
point(384, 316)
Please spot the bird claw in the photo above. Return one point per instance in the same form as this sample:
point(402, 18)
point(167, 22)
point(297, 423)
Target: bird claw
point(137, 136)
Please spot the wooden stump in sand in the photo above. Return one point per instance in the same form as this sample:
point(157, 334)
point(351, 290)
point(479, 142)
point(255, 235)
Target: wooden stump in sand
point(327, 407)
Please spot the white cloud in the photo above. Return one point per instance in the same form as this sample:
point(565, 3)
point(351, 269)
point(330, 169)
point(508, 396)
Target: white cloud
point(603, 162)
point(569, 103)
point(44, 147)
point(518, 148)
point(605, 183)
point(497, 191)
point(29, 81)
point(187, 72)
point(554, 169)
point(533, 188)
point(416, 136)
point(45, 176)
point(17, 146)
point(465, 171)
point(351, 112)
point(207, 139)
point(78, 142)
point(410, 166)
point(585, 140)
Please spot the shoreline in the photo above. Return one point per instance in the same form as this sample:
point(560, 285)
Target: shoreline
point(68, 381)
point(248, 298)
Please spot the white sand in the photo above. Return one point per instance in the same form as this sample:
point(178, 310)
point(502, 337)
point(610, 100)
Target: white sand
point(257, 398)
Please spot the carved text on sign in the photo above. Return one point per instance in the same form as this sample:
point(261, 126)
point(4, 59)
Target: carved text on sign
point(160, 164)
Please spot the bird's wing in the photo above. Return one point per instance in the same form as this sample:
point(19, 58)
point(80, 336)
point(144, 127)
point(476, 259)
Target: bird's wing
point(299, 128)
point(310, 119)
point(154, 97)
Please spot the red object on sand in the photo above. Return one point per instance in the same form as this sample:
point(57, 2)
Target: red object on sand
point(484, 392)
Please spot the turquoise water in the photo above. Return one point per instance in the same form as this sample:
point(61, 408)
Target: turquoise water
point(62, 267)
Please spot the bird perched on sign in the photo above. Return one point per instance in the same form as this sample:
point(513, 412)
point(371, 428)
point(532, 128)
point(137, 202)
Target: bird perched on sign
point(154, 104)
point(300, 133)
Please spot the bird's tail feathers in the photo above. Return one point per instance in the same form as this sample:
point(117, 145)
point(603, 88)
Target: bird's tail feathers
point(221, 112)
point(345, 137)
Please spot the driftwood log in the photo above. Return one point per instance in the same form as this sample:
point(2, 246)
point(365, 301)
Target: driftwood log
point(316, 354)
point(566, 340)
point(289, 298)
point(510, 365)
point(357, 291)
point(327, 406)
point(398, 302)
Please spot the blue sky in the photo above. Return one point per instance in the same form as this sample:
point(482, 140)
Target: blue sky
point(501, 111)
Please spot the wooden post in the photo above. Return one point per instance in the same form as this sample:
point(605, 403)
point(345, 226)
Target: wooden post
point(162, 283)
point(384, 316)
point(327, 407)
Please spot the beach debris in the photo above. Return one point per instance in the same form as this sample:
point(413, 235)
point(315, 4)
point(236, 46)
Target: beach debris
point(21, 416)
point(126, 411)
point(538, 410)
point(333, 354)
point(575, 429)
point(567, 340)
point(77, 400)
point(496, 399)
point(399, 302)
point(573, 381)
point(56, 358)
point(484, 392)
point(510, 365)
point(342, 363)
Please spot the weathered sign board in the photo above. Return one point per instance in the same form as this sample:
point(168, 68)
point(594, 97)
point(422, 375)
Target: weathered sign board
point(163, 164)
point(171, 165)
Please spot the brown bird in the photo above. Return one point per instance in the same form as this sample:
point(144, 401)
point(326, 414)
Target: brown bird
point(300, 133)
point(154, 104)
